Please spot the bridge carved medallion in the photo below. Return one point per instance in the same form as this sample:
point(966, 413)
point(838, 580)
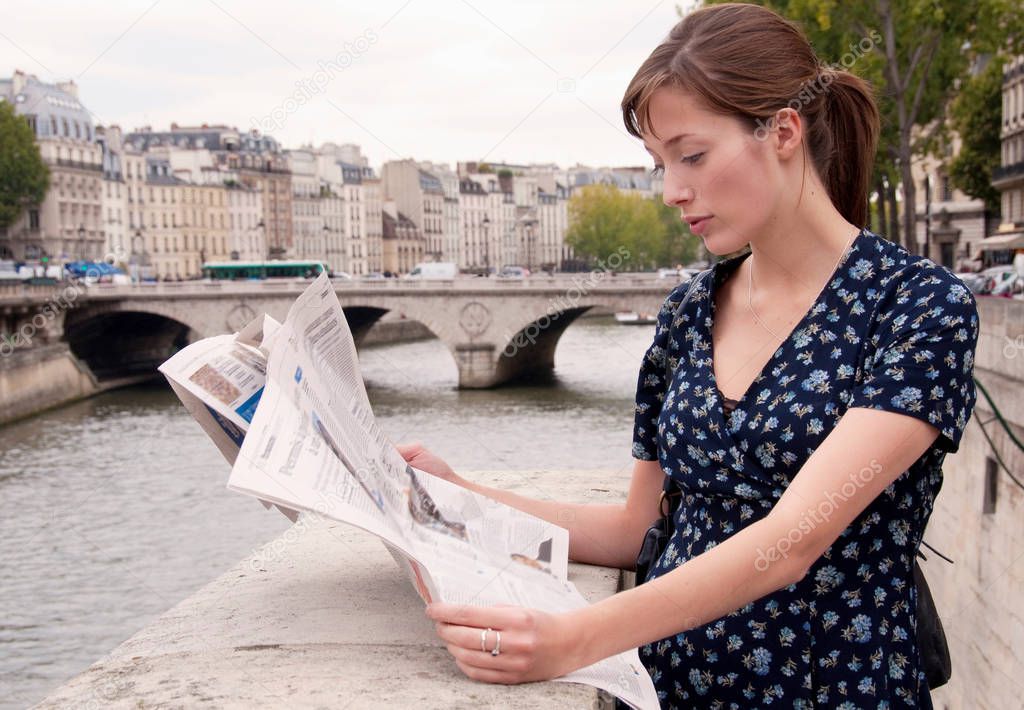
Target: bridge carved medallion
point(475, 318)
point(238, 317)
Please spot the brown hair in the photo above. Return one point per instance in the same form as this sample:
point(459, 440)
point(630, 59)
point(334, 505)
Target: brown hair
point(748, 62)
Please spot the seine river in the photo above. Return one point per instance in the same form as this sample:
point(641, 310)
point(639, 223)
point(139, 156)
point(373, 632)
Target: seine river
point(114, 508)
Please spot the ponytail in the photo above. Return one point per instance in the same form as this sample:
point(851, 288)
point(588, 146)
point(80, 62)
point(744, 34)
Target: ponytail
point(843, 147)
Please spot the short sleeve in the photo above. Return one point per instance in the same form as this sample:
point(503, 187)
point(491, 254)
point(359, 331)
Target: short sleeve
point(924, 339)
point(650, 386)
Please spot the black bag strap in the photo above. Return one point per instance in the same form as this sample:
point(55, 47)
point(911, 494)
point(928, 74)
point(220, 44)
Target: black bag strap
point(670, 491)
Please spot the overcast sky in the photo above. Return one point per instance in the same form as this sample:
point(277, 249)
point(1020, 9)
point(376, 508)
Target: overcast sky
point(442, 80)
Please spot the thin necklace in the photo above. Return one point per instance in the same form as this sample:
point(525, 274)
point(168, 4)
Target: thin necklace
point(750, 283)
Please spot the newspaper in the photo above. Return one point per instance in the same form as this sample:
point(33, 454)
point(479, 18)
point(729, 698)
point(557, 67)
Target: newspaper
point(286, 405)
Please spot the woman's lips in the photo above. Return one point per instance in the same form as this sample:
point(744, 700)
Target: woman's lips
point(699, 225)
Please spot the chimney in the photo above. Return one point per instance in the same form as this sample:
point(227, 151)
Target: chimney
point(68, 86)
point(18, 81)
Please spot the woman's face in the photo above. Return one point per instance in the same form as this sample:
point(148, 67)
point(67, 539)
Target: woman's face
point(725, 182)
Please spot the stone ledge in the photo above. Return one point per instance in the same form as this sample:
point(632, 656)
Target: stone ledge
point(322, 617)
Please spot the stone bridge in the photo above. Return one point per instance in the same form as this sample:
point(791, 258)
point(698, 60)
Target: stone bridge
point(497, 330)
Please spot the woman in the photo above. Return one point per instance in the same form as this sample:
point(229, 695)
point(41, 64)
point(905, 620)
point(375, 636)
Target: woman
point(817, 383)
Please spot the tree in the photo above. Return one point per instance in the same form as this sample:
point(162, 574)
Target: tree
point(24, 177)
point(679, 245)
point(603, 220)
point(976, 116)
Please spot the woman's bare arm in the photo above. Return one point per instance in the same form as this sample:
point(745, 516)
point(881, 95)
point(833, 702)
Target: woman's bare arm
point(866, 451)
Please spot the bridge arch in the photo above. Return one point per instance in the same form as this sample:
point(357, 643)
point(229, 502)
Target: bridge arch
point(531, 350)
point(116, 344)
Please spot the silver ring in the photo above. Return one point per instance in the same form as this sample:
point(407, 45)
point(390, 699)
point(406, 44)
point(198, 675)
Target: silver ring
point(483, 639)
point(497, 644)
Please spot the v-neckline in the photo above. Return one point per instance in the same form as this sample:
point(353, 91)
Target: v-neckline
point(710, 322)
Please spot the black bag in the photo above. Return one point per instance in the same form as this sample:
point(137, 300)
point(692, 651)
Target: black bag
point(931, 639)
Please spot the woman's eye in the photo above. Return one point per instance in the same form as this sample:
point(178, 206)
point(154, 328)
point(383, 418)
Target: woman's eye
point(657, 170)
point(692, 159)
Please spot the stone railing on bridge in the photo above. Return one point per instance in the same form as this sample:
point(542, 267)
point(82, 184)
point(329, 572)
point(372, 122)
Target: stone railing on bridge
point(496, 329)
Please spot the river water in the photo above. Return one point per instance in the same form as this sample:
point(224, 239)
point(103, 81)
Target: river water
point(114, 508)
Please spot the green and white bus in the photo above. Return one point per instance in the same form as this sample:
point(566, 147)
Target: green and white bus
point(236, 270)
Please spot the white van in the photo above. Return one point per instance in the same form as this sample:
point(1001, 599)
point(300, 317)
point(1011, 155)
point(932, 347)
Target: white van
point(434, 270)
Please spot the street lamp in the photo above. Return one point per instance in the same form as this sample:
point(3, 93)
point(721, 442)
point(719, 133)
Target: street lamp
point(487, 250)
point(81, 242)
point(136, 254)
point(262, 235)
point(327, 240)
point(529, 244)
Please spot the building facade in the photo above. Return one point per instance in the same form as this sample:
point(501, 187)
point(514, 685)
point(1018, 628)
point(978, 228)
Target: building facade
point(247, 239)
point(1008, 178)
point(162, 243)
point(308, 227)
point(420, 196)
point(68, 225)
point(114, 201)
point(403, 242)
point(252, 159)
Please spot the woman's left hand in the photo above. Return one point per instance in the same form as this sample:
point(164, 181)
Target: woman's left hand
point(535, 645)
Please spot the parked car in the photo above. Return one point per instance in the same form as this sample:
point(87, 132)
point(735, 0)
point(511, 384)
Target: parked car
point(434, 270)
point(9, 271)
point(994, 276)
point(679, 275)
point(1009, 287)
point(513, 272)
point(372, 276)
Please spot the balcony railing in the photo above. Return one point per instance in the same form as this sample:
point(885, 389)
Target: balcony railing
point(65, 163)
point(1008, 172)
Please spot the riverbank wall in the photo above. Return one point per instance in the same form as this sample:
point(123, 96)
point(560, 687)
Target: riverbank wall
point(978, 522)
point(40, 378)
point(323, 617)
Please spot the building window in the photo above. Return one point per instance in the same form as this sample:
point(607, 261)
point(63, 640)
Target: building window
point(988, 505)
point(33, 220)
point(947, 188)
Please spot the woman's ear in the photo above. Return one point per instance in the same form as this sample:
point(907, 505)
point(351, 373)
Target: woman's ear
point(789, 132)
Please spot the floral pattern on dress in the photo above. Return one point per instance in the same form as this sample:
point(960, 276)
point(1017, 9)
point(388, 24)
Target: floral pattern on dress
point(889, 331)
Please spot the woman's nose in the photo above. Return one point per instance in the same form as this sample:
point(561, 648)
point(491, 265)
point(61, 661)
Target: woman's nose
point(675, 196)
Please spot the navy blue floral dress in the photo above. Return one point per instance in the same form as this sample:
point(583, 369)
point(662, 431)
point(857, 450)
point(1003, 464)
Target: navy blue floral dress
point(889, 331)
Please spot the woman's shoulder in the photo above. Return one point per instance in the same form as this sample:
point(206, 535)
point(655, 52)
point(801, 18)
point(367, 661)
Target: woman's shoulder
point(910, 295)
point(890, 273)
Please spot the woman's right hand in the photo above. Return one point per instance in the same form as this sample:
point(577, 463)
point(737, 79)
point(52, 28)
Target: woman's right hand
point(418, 457)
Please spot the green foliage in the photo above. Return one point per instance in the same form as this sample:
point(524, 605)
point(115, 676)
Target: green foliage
point(976, 115)
point(24, 177)
point(603, 219)
point(679, 245)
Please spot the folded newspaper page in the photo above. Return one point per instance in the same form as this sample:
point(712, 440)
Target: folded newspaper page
point(286, 405)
